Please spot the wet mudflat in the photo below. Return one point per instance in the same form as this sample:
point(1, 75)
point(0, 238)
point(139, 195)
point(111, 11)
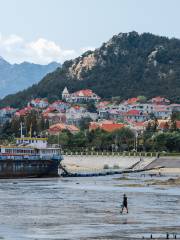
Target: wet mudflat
point(87, 208)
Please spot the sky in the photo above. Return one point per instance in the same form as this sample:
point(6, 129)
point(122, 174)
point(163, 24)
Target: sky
point(42, 31)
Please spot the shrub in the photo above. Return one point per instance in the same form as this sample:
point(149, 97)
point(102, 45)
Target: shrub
point(116, 166)
point(106, 166)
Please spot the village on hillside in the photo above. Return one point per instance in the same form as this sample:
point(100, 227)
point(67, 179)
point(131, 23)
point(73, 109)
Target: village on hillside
point(84, 109)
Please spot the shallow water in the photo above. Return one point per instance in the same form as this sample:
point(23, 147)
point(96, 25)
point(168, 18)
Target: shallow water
point(86, 208)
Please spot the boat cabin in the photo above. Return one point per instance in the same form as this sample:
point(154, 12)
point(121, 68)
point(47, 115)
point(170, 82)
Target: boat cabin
point(32, 142)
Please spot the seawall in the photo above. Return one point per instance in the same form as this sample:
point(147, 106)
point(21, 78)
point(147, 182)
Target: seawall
point(93, 163)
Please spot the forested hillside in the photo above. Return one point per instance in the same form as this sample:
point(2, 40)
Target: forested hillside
point(129, 64)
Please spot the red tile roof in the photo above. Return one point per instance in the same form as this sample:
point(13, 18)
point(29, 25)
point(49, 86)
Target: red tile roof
point(132, 100)
point(56, 128)
point(103, 104)
point(24, 111)
point(112, 127)
point(108, 126)
point(133, 112)
point(7, 108)
point(38, 100)
point(163, 125)
point(178, 124)
point(84, 93)
point(159, 99)
point(139, 124)
point(76, 107)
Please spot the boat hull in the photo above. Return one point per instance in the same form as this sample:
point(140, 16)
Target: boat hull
point(28, 168)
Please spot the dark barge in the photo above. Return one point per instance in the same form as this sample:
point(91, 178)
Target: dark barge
point(30, 157)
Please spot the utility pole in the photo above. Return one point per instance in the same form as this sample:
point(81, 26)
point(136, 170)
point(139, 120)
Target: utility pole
point(136, 141)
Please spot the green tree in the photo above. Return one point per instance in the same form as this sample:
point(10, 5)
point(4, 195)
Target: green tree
point(79, 139)
point(123, 137)
point(142, 99)
point(84, 123)
point(63, 139)
point(91, 107)
point(98, 139)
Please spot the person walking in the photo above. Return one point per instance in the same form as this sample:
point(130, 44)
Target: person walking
point(124, 204)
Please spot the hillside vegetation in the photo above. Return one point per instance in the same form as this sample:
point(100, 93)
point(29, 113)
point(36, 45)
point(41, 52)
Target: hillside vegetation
point(127, 65)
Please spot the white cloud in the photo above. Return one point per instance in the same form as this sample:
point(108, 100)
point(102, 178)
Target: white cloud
point(85, 49)
point(15, 49)
point(11, 40)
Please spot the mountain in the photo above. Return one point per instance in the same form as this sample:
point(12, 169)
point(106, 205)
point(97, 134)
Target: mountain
point(129, 64)
point(16, 77)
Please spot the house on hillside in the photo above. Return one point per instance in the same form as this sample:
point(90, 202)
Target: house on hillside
point(159, 101)
point(24, 111)
point(60, 105)
point(108, 126)
point(76, 113)
point(39, 103)
point(116, 115)
point(81, 96)
point(175, 107)
point(54, 116)
point(136, 116)
point(6, 114)
point(59, 127)
point(137, 127)
point(162, 111)
point(130, 101)
point(146, 108)
point(178, 124)
point(102, 104)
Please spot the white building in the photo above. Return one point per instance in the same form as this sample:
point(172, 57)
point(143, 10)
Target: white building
point(85, 95)
point(76, 113)
point(39, 103)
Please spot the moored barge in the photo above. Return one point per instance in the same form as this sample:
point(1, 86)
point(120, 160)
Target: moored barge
point(30, 157)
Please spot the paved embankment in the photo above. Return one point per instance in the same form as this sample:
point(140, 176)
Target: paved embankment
point(99, 163)
point(167, 162)
point(168, 165)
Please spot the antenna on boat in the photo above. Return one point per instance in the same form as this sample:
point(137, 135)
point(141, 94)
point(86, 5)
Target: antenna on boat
point(21, 129)
point(30, 131)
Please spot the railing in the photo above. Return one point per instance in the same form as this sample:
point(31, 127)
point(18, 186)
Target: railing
point(31, 157)
point(127, 154)
point(114, 153)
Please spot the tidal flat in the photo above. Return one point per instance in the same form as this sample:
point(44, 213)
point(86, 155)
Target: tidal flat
point(88, 208)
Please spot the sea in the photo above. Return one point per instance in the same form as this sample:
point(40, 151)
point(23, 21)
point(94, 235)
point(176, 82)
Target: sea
point(88, 208)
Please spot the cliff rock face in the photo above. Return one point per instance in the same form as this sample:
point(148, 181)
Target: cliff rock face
point(83, 64)
point(129, 64)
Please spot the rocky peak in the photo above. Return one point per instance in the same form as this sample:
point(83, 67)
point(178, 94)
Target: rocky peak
point(3, 62)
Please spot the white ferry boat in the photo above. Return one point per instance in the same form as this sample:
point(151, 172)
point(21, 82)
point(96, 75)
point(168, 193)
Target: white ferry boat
point(29, 157)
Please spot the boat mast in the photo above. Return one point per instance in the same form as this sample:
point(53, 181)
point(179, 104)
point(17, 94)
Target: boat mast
point(30, 131)
point(21, 129)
